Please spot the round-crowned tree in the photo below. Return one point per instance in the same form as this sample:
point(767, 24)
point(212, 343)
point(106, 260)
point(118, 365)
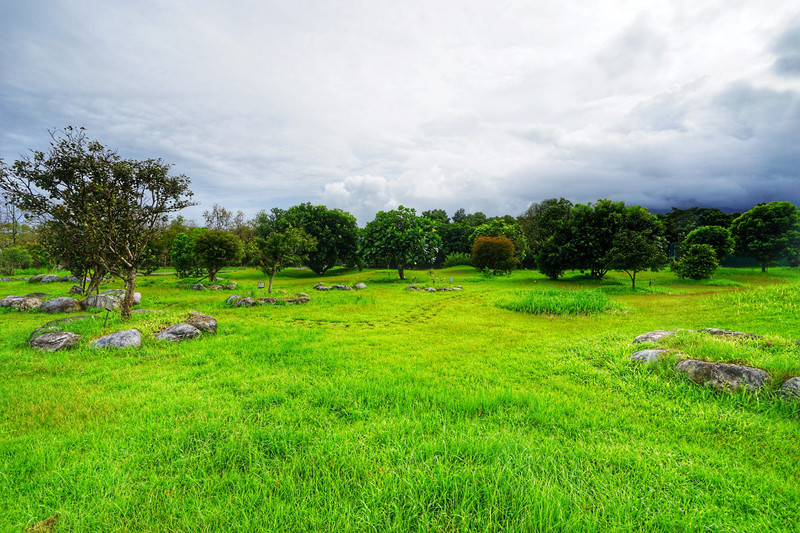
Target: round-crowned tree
point(495, 253)
point(717, 237)
point(767, 232)
point(699, 261)
point(215, 249)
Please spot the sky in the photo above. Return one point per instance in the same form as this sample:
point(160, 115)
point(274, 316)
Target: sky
point(434, 104)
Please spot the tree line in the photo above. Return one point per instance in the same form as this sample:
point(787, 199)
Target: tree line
point(82, 206)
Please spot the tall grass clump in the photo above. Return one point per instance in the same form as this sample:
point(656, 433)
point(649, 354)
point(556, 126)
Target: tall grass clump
point(560, 302)
point(777, 300)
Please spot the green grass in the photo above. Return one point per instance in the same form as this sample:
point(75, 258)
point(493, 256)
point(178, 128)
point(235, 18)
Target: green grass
point(392, 410)
point(559, 302)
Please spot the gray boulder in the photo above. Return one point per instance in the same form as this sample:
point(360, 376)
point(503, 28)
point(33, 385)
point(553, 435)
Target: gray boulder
point(198, 287)
point(244, 302)
point(342, 287)
point(731, 333)
point(791, 386)
point(76, 290)
point(430, 289)
point(300, 300)
point(412, 288)
point(71, 279)
point(62, 304)
point(301, 295)
point(50, 278)
point(214, 287)
point(35, 279)
point(102, 301)
point(231, 285)
point(266, 301)
point(231, 299)
point(653, 336)
point(6, 279)
point(22, 279)
point(178, 333)
point(55, 325)
point(321, 287)
point(41, 295)
point(202, 322)
point(21, 303)
point(359, 286)
point(137, 298)
point(723, 375)
point(647, 356)
point(55, 341)
point(127, 338)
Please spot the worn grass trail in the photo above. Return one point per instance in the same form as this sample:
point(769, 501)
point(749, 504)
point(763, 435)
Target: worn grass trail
point(389, 410)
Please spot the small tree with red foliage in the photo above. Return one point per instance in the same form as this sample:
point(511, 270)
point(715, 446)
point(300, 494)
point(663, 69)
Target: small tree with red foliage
point(494, 253)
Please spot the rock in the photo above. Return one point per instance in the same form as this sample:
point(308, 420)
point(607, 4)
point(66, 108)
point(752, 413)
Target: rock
point(127, 338)
point(266, 301)
point(430, 289)
point(22, 279)
point(50, 278)
point(304, 295)
point(647, 356)
point(412, 288)
point(791, 386)
point(723, 375)
point(342, 287)
point(244, 302)
point(21, 303)
point(41, 295)
point(359, 286)
point(283, 292)
point(231, 285)
point(231, 299)
point(62, 304)
point(71, 279)
point(137, 298)
point(35, 279)
point(198, 287)
point(76, 290)
point(731, 333)
point(214, 287)
point(54, 325)
point(321, 287)
point(296, 300)
point(178, 333)
point(6, 279)
point(202, 322)
point(102, 301)
point(653, 336)
point(55, 341)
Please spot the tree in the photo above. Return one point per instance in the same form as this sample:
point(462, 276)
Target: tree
point(767, 232)
point(494, 253)
point(699, 261)
point(718, 237)
point(70, 247)
point(184, 260)
point(436, 215)
point(280, 249)
point(334, 230)
point(635, 251)
point(400, 237)
point(215, 249)
point(14, 257)
point(114, 205)
point(501, 228)
point(541, 220)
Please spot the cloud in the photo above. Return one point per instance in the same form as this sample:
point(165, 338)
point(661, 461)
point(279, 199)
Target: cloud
point(787, 48)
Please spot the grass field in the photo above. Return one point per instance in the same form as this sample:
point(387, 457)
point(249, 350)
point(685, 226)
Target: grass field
point(391, 410)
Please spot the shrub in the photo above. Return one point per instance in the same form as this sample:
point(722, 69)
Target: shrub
point(494, 253)
point(698, 262)
point(12, 258)
point(717, 237)
point(457, 259)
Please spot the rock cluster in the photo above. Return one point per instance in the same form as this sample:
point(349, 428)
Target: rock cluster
point(415, 287)
point(194, 326)
point(236, 301)
point(721, 376)
point(358, 286)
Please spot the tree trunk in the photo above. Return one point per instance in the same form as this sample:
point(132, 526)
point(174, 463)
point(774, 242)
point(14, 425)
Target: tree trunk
point(401, 270)
point(269, 288)
point(763, 267)
point(633, 282)
point(130, 286)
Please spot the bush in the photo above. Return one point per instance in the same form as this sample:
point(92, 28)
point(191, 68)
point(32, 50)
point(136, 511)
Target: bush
point(494, 253)
point(698, 262)
point(12, 258)
point(717, 237)
point(457, 259)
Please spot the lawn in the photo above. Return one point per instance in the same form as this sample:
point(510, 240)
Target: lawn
point(393, 410)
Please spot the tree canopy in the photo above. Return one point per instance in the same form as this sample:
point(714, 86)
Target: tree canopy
point(112, 204)
point(767, 232)
point(335, 232)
